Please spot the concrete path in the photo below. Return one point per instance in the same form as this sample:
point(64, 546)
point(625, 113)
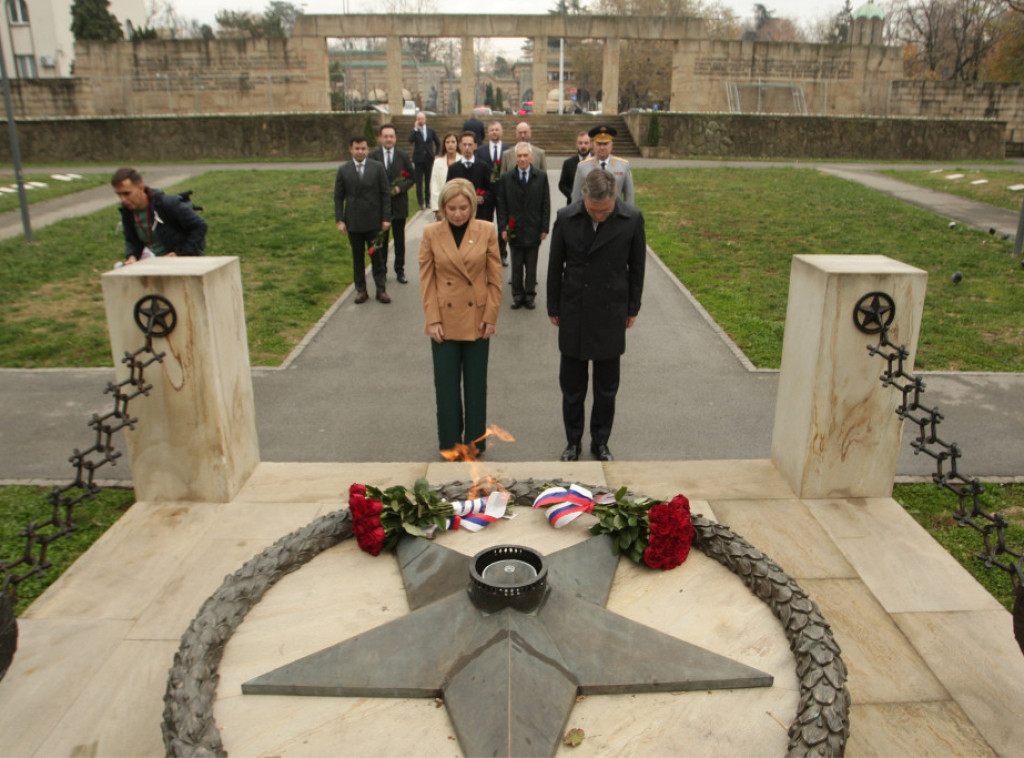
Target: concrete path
point(360, 389)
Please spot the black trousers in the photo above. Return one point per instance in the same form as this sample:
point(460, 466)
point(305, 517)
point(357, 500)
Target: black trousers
point(524, 273)
point(360, 241)
point(398, 227)
point(422, 176)
point(573, 379)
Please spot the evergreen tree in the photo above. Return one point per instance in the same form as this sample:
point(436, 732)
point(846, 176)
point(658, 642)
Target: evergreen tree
point(90, 20)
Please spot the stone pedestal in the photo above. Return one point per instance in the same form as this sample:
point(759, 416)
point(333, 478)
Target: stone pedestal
point(195, 439)
point(836, 432)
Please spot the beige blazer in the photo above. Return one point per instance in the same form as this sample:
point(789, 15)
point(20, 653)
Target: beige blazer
point(461, 287)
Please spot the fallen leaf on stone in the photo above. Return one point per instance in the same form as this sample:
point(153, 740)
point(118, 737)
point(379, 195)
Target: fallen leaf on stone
point(573, 738)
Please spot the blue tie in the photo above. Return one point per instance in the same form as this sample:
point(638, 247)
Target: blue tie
point(523, 176)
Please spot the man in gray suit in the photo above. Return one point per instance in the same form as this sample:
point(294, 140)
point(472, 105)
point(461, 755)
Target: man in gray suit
point(523, 134)
point(362, 209)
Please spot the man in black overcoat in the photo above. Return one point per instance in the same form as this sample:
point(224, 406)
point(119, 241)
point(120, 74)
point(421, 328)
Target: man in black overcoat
point(595, 280)
point(477, 172)
point(568, 174)
point(425, 145)
point(398, 166)
point(362, 209)
point(524, 215)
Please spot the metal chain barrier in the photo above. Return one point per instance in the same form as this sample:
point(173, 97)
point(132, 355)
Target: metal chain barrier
point(874, 314)
point(156, 317)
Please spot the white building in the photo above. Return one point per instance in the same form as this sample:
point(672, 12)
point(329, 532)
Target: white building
point(37, 39)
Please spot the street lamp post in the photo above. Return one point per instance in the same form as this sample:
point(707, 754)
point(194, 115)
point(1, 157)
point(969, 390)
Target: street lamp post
point(12, 128)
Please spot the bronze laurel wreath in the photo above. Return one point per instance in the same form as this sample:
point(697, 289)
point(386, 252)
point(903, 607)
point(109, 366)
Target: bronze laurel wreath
point(821, 726)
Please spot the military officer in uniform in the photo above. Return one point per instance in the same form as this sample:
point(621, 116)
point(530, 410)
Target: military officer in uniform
point(601, 136)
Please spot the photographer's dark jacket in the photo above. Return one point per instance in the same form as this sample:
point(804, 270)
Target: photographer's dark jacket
point(178, 226)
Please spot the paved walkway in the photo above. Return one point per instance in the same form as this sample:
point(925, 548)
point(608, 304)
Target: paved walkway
point(687, 393)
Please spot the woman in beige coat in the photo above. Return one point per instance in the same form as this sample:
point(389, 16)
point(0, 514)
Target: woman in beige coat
point(460, 281)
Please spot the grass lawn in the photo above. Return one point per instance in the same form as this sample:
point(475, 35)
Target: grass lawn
point(280, 224)
point(995, 190)
point(55, 188)
point(933, 509)
point(729, 235)
point(20, 505)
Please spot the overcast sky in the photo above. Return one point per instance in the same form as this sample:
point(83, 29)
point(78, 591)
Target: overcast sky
point(801, 11)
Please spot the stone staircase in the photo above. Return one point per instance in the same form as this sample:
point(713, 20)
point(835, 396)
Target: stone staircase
point(555, 134)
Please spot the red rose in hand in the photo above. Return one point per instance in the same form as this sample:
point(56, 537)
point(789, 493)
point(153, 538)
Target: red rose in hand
point(481, 192)
point(406, 174)
point(511, 224)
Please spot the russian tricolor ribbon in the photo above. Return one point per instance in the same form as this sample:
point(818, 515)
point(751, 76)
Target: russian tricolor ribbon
point(564, 505)
point(477, 513)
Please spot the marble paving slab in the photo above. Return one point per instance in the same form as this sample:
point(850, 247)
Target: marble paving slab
point(934, 668)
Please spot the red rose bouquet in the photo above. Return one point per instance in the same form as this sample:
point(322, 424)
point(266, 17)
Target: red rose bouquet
point(510, 229)
point(659, 534)
point(381, 517)
point(495, 171)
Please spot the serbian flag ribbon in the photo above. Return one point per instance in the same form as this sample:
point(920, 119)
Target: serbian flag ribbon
point(477, 513)
point(565, 505)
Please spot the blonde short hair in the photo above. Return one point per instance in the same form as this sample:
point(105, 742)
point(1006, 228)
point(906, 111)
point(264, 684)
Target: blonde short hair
point(457, 187)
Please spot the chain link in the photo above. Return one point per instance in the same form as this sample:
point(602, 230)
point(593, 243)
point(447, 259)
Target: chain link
point(947, 476)
point(61, 523)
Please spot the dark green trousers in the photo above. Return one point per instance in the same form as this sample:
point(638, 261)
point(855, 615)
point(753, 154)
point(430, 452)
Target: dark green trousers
point(460, 386)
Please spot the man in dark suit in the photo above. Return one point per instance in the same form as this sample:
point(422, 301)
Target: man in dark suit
point(524, 215)
point(490, 153)
point(425, 145)
point(399, 168)
point(569, 167)
point(362, 209)
point(478, 173)
point(475, 125)
point(595, 280)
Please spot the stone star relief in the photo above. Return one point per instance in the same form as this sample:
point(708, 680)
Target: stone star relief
point(509, 679)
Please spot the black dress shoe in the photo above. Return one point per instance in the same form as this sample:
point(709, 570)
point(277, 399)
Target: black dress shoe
point(402, 279)
point(571, 453)
point(601, 452)
point(530, 305)
point(517, 304)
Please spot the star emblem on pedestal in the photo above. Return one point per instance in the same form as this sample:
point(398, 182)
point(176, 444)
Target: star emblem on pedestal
point(155, 316)
point(508, 679)
point(874, 312)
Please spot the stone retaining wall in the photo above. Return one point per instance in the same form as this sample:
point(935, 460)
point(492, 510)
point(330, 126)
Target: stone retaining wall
point(998, 100)
point(766, 136)
point(325, 136)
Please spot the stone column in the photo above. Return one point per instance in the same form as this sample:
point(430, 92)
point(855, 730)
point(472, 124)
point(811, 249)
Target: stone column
point(681, 94)
point(195, 438)
point(467, 89)
point(395, 99)
point(610, 77)
point(539, 75)
point(836, 432)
